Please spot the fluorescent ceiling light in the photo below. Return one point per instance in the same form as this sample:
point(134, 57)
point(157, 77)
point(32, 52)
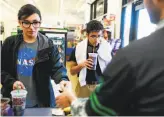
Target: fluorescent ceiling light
point(8, 6)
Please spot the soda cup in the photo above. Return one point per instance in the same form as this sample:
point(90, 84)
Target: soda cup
point(18, 101)
point(93, 56)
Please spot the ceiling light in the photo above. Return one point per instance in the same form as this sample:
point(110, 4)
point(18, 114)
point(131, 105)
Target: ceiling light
point(9, 6)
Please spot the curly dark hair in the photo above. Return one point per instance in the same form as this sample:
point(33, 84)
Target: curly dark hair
point(94, 25)
point(27, 10)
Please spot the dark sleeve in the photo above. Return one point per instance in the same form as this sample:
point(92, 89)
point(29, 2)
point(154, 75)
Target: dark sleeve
point(59, 72)
point(7, 79)
point(113, 96)
point(72, 56)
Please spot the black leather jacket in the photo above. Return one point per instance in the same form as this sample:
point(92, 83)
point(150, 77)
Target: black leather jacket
point(47, 65)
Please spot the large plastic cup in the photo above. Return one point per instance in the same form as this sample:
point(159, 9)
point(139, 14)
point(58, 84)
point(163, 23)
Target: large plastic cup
point(18, 102)
point(93, 56)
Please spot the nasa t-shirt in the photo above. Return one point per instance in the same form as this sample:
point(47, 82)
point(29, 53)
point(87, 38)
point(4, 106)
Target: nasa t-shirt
point(25, 63)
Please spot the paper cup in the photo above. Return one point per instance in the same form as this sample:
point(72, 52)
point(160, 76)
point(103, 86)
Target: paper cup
point(18, 101)
point(93, 56)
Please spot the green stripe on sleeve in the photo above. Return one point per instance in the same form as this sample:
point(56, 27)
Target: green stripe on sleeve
point(99, 108)
point(102, 107)
point(95, 109)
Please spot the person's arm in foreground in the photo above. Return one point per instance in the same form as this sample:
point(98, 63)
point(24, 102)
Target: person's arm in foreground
point(110, 98)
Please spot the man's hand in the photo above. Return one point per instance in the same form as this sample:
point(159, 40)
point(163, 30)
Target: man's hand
point(65, 99)
point(87, 63)
point(18, 85)
point(62, 101)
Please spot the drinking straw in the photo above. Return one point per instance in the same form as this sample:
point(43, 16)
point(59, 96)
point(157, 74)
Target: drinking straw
point(17, 88)
point(94, 48)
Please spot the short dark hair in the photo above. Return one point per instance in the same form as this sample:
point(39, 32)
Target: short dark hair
point(109, 34)
point(94, 25)
point(27, 10)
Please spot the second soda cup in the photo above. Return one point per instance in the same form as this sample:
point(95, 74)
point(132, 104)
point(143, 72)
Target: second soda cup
point(93, 56)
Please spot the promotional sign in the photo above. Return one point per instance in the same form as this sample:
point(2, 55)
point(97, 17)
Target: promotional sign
point(108, 22)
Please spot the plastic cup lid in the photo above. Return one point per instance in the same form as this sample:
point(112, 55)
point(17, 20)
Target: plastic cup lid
point(19, 92)
point(93, 54)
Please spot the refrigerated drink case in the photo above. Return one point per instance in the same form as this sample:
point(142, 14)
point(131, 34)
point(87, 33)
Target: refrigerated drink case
point(60, 41)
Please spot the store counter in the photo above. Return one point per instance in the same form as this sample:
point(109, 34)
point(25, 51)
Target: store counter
point(40, 112)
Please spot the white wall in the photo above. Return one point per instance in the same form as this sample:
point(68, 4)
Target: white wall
point(10, 26)
point(87, 13)
point(115, 7)
point(9, 18)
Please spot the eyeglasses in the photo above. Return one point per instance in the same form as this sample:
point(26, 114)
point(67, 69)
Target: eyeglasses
point(95, 37)
point(27, 24)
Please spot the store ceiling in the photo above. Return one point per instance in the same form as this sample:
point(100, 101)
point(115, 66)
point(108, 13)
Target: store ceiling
point(57, 8)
